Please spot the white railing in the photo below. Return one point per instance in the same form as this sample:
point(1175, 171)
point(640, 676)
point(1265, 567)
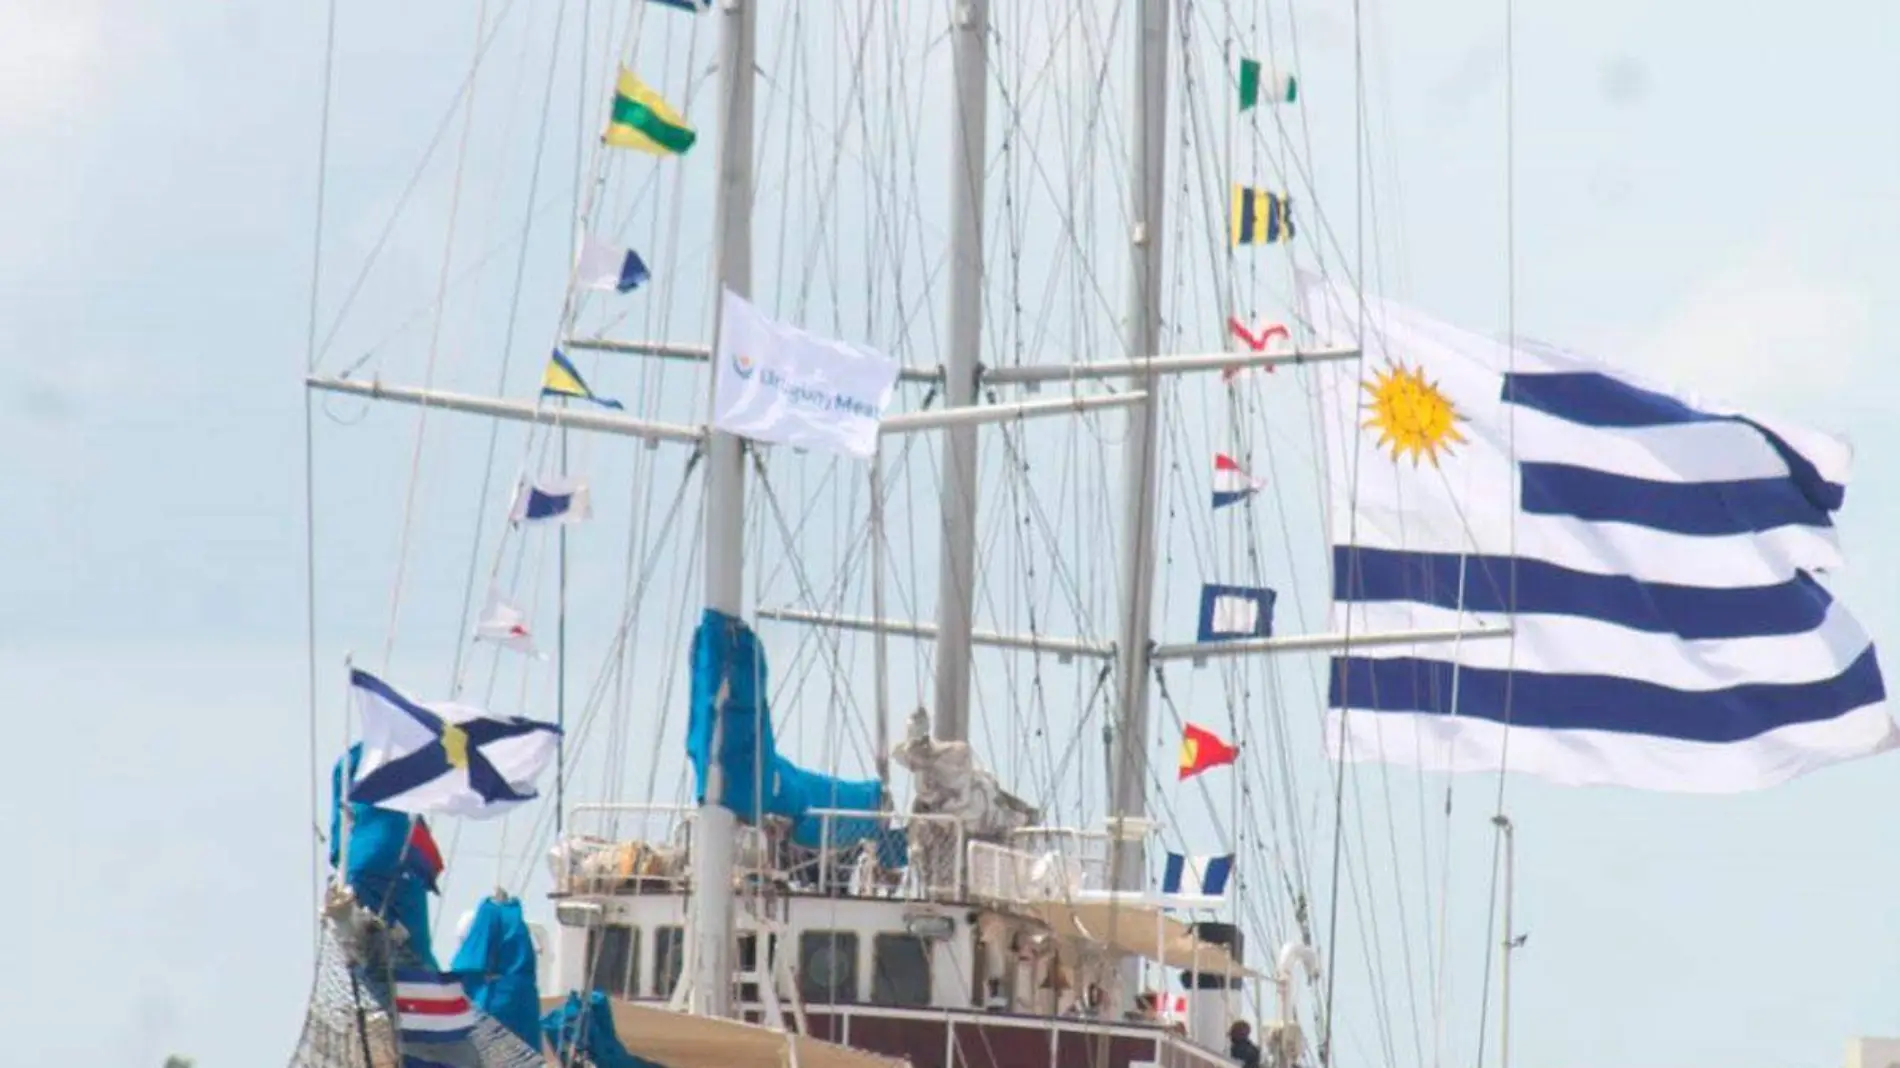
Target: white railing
point(612, 845)
point(933, 846)
point(999, 873)
point(1087, 850)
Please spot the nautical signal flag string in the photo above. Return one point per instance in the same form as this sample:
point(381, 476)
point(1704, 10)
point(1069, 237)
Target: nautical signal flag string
point(1202, 749)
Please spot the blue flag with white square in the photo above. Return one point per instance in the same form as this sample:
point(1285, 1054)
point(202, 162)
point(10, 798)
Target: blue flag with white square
point(1655, 553)
point(1230, 612)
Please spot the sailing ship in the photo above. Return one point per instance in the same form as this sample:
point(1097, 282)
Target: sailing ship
point(788, 915)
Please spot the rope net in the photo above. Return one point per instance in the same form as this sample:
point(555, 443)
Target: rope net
point(349, 1022)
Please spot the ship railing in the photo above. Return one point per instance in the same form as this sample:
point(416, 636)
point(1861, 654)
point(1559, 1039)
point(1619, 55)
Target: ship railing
point(614, 846)
point(1015, 876)
point(1089, 850)
point(907, 855)
point(630, 846)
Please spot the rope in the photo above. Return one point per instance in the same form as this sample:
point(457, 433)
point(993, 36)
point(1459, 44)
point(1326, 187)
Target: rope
point(435, 334)
point(310, 481)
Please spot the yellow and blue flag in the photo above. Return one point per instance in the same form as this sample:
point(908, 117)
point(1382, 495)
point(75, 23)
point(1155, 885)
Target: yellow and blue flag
point(562, 380)
point(1261, 217)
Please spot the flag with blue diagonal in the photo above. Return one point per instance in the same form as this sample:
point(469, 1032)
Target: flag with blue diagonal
point(1655, 555)
point(561, 379)
point(444, 757)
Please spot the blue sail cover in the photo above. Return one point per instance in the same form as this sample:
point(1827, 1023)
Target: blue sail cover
point(726, 651)
point(496, 966)
point(388, 879)
point(589, 1031)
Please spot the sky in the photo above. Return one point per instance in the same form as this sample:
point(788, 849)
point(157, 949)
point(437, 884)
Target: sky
point(1703, 192)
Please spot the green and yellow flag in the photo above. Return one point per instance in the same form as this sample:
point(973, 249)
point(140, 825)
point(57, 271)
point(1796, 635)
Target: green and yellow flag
point(643, 121)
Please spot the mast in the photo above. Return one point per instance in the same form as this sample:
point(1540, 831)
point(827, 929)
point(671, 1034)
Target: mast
point(1511, 942)
point(725, 509)
point(956, 564)
point(1149, 144)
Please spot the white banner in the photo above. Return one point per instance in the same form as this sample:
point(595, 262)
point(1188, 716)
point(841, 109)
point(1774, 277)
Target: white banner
point(780, 384)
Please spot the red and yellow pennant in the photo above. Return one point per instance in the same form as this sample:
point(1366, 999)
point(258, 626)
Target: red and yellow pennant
point(1202, 749)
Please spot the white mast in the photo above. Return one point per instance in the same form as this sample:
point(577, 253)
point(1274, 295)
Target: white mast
point(725, 510)
point(956, 568)
point(1149, 144)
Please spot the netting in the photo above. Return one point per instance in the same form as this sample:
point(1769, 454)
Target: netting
point(348, 1024)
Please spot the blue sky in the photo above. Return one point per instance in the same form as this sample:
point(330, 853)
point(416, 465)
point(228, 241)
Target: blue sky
point(1704, 192)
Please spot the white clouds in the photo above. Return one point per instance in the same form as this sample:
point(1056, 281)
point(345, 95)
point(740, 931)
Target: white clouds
point(1763, 330)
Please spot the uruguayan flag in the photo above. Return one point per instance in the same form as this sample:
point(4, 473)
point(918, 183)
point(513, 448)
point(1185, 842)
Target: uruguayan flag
point(1654, 552)
point(445, 758)
point(1200, 876)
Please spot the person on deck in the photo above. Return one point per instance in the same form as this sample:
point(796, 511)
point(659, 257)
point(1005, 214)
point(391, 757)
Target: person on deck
point(1240, 1045)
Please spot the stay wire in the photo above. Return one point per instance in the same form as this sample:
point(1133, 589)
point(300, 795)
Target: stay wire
point(309, 477)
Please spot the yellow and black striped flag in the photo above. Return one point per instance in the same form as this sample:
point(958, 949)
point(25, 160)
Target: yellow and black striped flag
point(1261, 217)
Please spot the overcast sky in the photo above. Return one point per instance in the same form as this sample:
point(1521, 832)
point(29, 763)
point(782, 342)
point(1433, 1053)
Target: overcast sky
point(1710, 192)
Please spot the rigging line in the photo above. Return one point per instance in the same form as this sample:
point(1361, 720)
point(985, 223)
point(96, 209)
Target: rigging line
point(507, 349)
point(435, 334)
point(582, 194)
point(310, 482)
point(1339, 774)
point(544, 823)
point(1510, 675)
point(415, 181)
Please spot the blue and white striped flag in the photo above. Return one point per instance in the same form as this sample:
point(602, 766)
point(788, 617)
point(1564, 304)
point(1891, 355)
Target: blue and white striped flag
point(1654, 552)
point(1203, 876)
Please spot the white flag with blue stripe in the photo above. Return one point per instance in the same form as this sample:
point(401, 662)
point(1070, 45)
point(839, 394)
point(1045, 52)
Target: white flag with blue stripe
point(1654, 552)
point(1199, 876)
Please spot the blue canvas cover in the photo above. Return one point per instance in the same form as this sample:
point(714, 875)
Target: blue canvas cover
point(388, 879)
point(496, 966)
point(726, 651)
point(589, 1029)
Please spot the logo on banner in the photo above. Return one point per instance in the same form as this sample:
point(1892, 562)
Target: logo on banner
point(742, 365)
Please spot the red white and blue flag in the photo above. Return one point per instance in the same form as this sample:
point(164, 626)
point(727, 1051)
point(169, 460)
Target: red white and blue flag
point(431, 1007)
point(1232, 484)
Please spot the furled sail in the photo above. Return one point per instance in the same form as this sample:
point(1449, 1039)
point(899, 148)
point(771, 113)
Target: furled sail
point(728, 696)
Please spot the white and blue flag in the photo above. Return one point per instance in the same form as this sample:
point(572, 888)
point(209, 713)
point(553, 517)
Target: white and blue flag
point(552, 499)
point(444, 758)
point(1655, 554)
point(1231, 612)
point(1197, 876)
point(609, 268)
point(776, 383)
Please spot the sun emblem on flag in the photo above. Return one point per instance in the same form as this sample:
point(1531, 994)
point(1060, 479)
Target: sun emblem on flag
point(1411, 415)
